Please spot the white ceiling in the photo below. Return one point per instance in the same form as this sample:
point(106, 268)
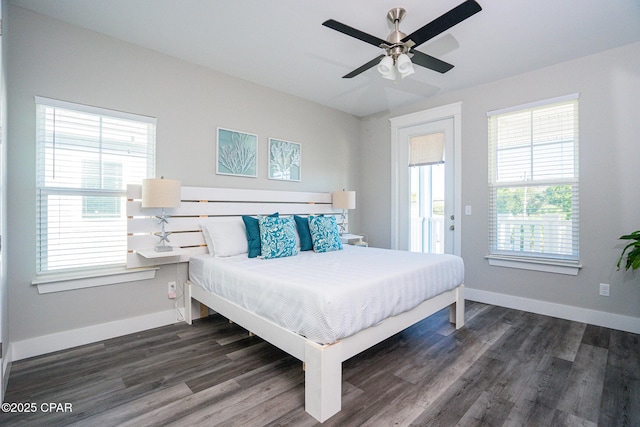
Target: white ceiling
point(281, 44)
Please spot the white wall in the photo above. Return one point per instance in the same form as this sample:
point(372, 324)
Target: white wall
point(609, 87)
point(56, 60)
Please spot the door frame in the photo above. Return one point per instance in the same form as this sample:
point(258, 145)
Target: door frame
point(399, 175)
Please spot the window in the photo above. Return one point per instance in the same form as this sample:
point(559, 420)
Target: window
point(85, 158)
point(533, 181)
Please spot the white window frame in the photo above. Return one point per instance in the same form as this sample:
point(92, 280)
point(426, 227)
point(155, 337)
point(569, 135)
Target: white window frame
point(89, 275)
point(554, 262)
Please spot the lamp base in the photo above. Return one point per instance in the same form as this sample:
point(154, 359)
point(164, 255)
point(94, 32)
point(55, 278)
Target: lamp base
point(163, 248)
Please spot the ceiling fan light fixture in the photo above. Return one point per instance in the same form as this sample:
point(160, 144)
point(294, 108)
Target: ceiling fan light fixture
point(399, 44)
point(387, 68)
point(405, 67)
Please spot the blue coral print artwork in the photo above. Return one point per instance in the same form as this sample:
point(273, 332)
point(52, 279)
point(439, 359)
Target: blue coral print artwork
point(284, 160)
point(237, 153)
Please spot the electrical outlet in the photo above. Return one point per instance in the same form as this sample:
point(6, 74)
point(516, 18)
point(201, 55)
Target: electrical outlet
point(605, 289)
point(172, 290)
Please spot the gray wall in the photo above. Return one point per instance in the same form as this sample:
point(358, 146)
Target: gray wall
point(609, 87)
point(4, 300)
point(52, 59)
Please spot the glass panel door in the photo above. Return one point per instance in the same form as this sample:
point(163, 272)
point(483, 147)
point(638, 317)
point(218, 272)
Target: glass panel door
point(430, 196)
point(427, 208)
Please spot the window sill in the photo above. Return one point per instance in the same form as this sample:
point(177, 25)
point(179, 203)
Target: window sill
point(548, 266)
point(66, 282)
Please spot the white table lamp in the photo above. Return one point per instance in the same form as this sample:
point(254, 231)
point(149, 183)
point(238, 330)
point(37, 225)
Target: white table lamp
point(343, 200)
point(161, 193)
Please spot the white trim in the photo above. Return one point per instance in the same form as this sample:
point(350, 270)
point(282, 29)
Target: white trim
point(453, 111)
point(49, 102)
point(432, 114)
point(577, 314)
point(64, 340)
point(571, 268)
point(533, 104)
point(65, 282)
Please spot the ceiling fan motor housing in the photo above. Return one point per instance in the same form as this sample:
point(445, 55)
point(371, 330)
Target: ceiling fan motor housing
point(394, 16)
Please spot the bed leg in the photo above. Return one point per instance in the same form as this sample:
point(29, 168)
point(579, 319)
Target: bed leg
point(187, 304)
point(456, 311)
point(323, 380)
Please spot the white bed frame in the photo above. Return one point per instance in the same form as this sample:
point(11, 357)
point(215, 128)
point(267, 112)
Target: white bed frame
point(323, 363)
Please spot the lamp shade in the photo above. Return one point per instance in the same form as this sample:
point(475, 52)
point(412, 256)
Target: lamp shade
point(386, 68)
point(344, 199)
point(160, 193)
point(405, 67)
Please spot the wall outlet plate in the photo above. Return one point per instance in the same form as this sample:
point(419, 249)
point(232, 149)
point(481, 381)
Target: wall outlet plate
point(605, 289)
point(171, 290)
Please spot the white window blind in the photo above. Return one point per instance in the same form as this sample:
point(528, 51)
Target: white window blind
point(426, 149)
point(85, 158)
point(533, 180)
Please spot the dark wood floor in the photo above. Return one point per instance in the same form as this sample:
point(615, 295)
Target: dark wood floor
point(505, 367)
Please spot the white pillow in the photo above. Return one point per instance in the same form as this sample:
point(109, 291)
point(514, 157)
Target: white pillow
point(228, 237)
point(207, 238)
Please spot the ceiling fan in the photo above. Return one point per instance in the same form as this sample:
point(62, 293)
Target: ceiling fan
point(399, 48)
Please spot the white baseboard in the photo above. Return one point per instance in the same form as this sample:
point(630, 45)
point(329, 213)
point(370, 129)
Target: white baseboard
point(584, 315)
point(64, 340)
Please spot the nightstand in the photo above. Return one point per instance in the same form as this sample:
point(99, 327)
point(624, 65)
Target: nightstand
point(152, 253)
point(353, 239)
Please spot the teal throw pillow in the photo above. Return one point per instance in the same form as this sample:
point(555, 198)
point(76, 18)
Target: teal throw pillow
point(324, 233)
point(277, 236)
point(302, 224)
point(253, 234)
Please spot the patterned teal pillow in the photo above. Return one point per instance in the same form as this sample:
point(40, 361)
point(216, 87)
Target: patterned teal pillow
point(324, 233)
point(253, 234)
point(277, 236)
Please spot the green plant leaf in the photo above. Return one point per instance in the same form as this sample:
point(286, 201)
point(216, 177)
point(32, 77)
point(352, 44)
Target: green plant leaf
point(633, 236)
point(633, 256)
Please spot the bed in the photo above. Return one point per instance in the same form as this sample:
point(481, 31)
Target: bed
point(343, 301)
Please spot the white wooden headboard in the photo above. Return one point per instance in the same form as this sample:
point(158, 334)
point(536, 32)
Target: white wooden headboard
point(199, 203)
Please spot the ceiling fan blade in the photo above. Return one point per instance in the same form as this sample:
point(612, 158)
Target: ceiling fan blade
point(350, 31)
point(430, 62)
point(363, 68)
point(444, 22)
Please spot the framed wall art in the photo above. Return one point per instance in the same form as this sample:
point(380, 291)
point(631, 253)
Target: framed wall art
point(236, 153)
point(285, 159)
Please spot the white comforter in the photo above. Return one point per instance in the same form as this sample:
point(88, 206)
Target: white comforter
point(329, 296)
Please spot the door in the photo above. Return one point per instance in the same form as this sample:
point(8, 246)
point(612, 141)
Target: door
point(431, 187)
point(427, 155)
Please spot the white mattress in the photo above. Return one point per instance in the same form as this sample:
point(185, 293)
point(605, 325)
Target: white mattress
point(329, 296)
